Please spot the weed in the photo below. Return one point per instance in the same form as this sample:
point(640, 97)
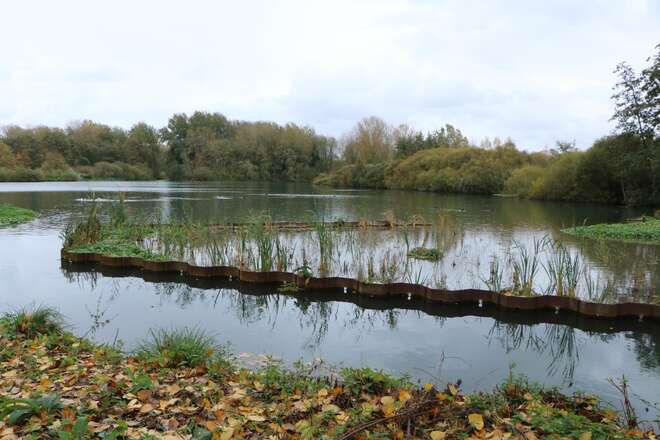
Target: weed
point(187, 347)
point(366, 380)
point(19, 410)
point(30, 322)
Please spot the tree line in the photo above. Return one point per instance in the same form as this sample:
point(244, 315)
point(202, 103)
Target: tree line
point(621, 168)
point(203, 146)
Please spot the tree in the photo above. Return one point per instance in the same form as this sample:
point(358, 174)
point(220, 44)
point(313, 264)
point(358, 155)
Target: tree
point(637, 108)
point(651, 89)
point(370, 141)
point(144, 146)
point(7, 158)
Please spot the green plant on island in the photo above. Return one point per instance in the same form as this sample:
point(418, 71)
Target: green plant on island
point(645, 231)
point(422, 253)
point(11, 215)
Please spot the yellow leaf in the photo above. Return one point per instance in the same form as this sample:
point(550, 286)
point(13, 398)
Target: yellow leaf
point(585, 436)
point(254, 418)
point(452, 389)
point(477, 421)
point(428, 387)
point(404, 396)
point(387, 400)
point(438, 435)
point(227, 434)
point(322, 392)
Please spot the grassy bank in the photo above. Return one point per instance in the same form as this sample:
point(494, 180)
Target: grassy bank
point(13, 215)
point(647, 231)
point(180, 384)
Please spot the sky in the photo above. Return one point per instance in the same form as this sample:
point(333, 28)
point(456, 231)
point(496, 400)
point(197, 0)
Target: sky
point(533, 70)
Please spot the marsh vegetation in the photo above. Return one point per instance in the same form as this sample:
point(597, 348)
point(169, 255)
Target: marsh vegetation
point(409, 250)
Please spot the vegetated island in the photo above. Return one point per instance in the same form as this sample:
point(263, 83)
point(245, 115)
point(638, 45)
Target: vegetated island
point(647, 230)
point(180, 384)
point(13, 215)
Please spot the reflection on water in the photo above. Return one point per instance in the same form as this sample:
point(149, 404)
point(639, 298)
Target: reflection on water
point(432, 342)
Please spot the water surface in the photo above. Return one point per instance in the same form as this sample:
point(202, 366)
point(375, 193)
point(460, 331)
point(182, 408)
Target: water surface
point(431, 343)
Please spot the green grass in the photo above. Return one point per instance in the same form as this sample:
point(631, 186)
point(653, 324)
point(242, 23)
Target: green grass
point(30, 322)
point(647, 231)
point(429, 254)
point(13, 215)
point(171, 348)
point(113, 248)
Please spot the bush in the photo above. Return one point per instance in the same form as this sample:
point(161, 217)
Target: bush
point(524, 180)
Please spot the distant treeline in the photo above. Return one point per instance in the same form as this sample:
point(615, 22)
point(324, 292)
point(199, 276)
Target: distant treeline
point(203, 146)
point(619, 168)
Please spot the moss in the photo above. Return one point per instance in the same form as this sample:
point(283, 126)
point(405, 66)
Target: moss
point(13, 215)
point(646, 231)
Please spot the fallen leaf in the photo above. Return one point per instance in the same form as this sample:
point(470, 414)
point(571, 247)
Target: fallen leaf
point(452, 389)
point(585, 436)
point(438, 435)
point(477, 421)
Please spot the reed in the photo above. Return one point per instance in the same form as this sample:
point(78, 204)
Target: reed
point(526, 264)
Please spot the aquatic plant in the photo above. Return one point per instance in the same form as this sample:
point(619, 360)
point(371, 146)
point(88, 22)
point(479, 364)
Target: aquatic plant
point(421, 253)
point(646, 231)
point(526, 265)
point(83, 231)
point(13, 215)
point(495, 275)
point(564, 271)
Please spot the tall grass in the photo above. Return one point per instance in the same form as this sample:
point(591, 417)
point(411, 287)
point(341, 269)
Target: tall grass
point(526, 264)
point(33, 321)
point(170, 348)
point(564, 271)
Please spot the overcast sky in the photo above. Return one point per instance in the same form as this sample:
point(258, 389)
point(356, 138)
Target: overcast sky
point(534, 70)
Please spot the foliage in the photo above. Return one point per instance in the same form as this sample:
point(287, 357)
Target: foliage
point(170, 348)
point(422, 253)
point(33, 321)
point(647, 231)
point(13, 215)
point(85, 396)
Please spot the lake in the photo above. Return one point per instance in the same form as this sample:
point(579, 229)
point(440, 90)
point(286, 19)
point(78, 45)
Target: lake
point(432, 343)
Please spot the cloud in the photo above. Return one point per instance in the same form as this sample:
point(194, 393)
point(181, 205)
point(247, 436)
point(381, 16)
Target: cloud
point(535, 71)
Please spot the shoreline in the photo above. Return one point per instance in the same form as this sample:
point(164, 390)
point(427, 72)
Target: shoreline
point(182, 384)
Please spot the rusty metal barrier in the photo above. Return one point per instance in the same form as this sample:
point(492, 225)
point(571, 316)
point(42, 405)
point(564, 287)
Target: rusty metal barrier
point(373, 290)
